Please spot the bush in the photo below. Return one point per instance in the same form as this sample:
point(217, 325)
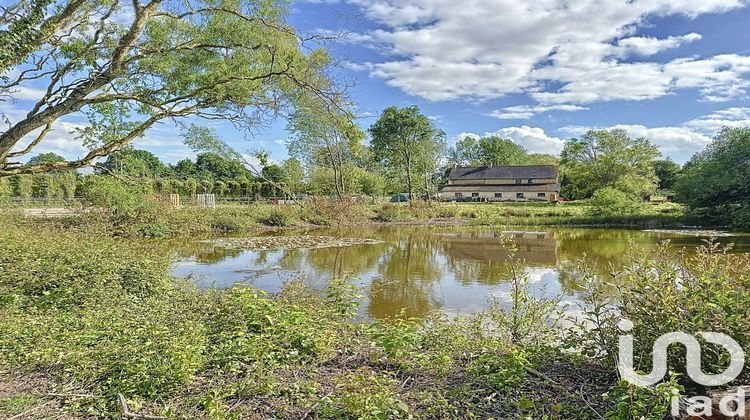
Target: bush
point(276, 217)
point(608, 202)
point(390, 213)
point(325, 211)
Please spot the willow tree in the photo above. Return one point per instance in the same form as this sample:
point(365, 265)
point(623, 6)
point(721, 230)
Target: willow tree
point(127, 66)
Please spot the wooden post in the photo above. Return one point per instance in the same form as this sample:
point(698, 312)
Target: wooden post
point(175, 200)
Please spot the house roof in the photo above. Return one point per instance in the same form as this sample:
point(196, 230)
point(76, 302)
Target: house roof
point(498, 172)
point(502, 188)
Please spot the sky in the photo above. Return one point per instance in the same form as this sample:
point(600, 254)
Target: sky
point(536, 72)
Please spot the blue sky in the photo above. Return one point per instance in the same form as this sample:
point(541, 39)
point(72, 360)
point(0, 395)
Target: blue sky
point(537, 72)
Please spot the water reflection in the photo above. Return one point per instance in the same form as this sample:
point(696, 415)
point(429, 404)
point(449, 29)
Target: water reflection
point(421, 269)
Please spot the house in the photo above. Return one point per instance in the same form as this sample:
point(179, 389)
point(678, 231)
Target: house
point(503, 183)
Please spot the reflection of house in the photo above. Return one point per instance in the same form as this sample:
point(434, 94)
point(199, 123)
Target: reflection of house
point(503, 183)
point(535, 248)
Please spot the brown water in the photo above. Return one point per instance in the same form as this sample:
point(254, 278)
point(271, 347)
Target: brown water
point(421, 269)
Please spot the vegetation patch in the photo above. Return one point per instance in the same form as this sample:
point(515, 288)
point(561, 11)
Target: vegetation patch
point(290, 242)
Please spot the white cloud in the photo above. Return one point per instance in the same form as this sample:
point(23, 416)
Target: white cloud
point(533, 139)
point(639, 45)
point(528, 111)
point(559, 51)
point(729, 117)
point(62, 140)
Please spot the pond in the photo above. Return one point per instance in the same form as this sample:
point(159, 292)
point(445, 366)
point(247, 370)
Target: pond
point(420, 268)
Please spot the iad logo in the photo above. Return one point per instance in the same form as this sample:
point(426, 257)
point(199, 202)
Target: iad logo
point(729, 405)
point(693, 348)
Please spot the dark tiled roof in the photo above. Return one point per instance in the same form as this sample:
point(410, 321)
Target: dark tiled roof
point(495, 172)
point(502, 188)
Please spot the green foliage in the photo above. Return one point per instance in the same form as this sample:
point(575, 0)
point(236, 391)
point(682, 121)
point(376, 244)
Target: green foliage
point(222, 71)
point(602, 159)
point(277, 218)
point(714, 182)
point(367, 395)
point(609, 201)
point(46, 158)
point(633, 402)
point(135, 163)
point(294, 175)
point(6, 188)
point(407, 142)
point(105, 314)
point(667, 171)
point(326, 138)
point(23, 186)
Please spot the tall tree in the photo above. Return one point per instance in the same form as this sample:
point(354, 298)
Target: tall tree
point(466, 152)
point(126, 66)
point(667, 171)
point(602, 158)
point(714, 183)
point(325, 136)
point(294, 174)
point(498, 151)
point(135, 163)
point(406, 140)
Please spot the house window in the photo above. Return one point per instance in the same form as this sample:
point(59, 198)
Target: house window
point(475, 194)
point(530, 180)
point(541, 194)
point(518, 181)
point(519, 195)
point(458, 195)
point(498, 195)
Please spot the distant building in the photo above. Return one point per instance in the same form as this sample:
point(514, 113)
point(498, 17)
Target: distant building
point(503, 183)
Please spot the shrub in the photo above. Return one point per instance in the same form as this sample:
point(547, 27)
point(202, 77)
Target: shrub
point(390, 213)
point(276, 217)
point(325, 211)
point(608, 202)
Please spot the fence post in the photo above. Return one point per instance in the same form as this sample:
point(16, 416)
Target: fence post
point(175, 200)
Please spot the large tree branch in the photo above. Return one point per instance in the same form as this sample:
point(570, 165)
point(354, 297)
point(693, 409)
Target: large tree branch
point(76, 99)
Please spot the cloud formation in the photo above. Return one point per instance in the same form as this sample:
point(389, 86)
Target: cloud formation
point(557, 51)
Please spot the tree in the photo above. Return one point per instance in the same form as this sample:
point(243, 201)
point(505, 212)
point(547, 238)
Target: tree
point(497, 151)
point(714, 182)
point(466, 152)
point(211, 59)
point(46, 158)
point(488, 151)
point(135, 163)
point(602, 158)
point(667, 171)
point(209, 165)
point(184, 168)
point(325, 137)
point(294, 175)
point(406, 140)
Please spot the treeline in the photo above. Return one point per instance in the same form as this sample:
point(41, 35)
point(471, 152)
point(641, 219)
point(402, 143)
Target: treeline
point(408, 153)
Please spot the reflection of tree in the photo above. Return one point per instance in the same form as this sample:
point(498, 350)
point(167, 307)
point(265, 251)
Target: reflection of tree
point(202, 252)
point(408, 269)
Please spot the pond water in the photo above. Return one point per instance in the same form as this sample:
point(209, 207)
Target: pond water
point(421, 268)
